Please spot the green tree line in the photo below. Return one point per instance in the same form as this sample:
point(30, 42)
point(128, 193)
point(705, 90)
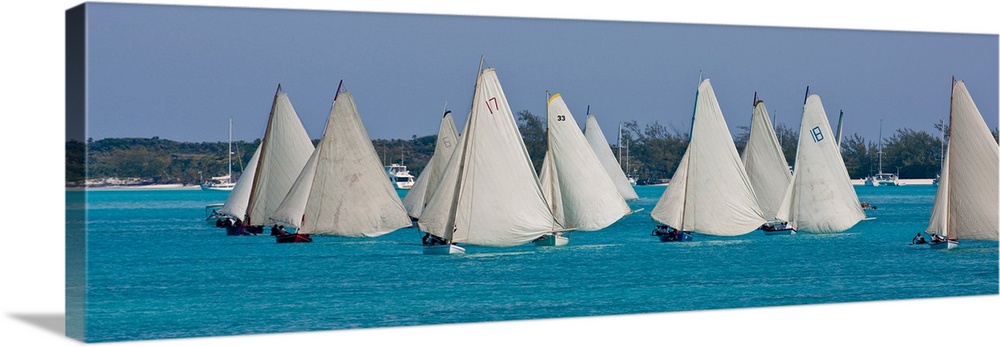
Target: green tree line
point(653, 153)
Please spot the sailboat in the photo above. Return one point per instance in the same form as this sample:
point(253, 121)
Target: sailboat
point(820, 197)
point(278, 160)
point(223, 182)
point(342, 190)
point(882, 179)
point(966, 202)
point(579, 197)
point(767, 169)
point(489, 194)
point(427, 182)
point(709, 192)
point(592, 131)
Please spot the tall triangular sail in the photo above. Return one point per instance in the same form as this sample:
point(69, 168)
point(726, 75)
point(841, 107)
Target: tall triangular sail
point(489, 194)
point(447, 140)
point(602, 149)
point(820, 198)
point(236, 203)
point(284, 151)
point(581, 197)
point(710, 192)
point(346, 191)
point(966, 205)
point(765, 163)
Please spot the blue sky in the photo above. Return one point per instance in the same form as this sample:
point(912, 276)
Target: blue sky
point(181, 72)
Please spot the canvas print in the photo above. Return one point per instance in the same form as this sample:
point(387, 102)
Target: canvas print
point(236, 171)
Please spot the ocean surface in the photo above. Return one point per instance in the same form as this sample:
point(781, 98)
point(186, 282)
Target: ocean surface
point(157, 270)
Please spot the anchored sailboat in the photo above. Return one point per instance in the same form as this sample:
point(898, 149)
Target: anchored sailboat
point(710, 192)
point(342, 190)
point(447, 140)
point(767, 169)
point(602, 149)
point(223, 182)
point(579, 197)
point(489, 194)
point(882, 179)
point(820, 197)
point(966, 203)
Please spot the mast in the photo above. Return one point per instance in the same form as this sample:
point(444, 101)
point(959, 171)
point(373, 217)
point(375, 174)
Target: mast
point(230, 149)
point(627, 164)
point(947, 208)
point(260, 160)
point(694, 111)
point(450, 227)
point(880, 147)
point(618, 145)
point(840, 128)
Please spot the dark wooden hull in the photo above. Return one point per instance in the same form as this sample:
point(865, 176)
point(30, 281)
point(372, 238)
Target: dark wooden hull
point(293, 238)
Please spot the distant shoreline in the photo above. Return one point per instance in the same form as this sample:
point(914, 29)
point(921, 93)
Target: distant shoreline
point(903, 181)
point(173, 186)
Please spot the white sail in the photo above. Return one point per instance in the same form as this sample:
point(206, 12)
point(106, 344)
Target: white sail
point(939, 213)
point(710, 192)
point(489, 194)
point(765, 163)
point(284, 151)
point(292, 209)
point(602, 149)
point(580, 192)
point(236, 203)
point(966, 206)
point(347, 194)
point(447, 140)
point(820, 198)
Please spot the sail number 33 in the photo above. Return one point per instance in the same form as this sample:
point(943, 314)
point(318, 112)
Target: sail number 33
point(817, 134)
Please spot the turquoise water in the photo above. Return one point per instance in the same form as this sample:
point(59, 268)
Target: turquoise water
point(157, 270)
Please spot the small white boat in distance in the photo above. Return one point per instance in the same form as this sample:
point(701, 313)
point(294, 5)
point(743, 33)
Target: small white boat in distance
point(882, 179)
point(226, 182)
point(219, 183)
point(399, 176)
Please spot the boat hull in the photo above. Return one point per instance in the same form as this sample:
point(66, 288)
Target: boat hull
point(222, 188)
point(551, 240)
point(944, 245)
point(293, 238)
point(680, 237)
point(444, 249)
point(776, 228)
point(788, 231)
point(233, 230)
